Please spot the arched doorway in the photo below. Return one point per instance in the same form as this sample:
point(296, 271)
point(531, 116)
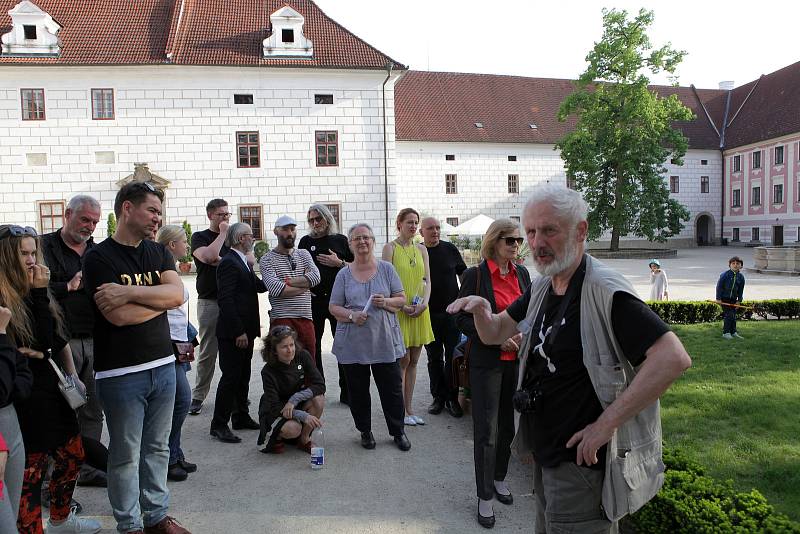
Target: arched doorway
point(704, 230)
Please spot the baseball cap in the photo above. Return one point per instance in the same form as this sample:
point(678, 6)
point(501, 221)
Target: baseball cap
point(285, 220)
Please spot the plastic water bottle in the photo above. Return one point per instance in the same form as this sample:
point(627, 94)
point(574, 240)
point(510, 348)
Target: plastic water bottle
point(318, 450)
point(417, 298)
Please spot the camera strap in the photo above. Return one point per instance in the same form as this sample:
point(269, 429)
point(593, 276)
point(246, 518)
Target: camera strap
point(574, 287)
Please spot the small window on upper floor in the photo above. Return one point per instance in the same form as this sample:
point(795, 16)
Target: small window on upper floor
point(704, 184)
point(323, 99)
point(703, 162)
point(512, 158)
point(452, 221)
point(287, 36)
point(450, 157)
point(30, 31)
point(102, 104)
point(32, 104)
point(674, 184)
point(757, 159)
point(737, 163)
point(243, 99)
point(778, 155)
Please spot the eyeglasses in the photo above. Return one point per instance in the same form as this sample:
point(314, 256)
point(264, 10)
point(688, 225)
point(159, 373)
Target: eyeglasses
point(315, 220)
point(358, 238)
point(17, 231)
point(226, 214)
point(511, 241)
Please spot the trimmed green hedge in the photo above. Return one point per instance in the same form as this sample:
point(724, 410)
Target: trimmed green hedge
point(692, 312)
point(692, 502)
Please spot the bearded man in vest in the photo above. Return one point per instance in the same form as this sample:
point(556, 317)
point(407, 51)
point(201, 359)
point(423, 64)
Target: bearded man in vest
point(593, 363)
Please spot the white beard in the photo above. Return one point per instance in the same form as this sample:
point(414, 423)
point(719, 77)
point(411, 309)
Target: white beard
point(561, 264)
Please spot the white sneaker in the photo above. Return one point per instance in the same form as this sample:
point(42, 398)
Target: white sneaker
point(74, 525)
point(419, 420)
point(736, 334)
point(727, 336)
point(410, 420)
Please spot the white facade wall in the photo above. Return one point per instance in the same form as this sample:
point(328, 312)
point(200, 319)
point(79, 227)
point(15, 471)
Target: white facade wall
point(483, 168)
point(182, 122)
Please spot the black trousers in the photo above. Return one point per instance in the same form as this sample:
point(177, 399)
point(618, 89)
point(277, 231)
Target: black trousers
point(390, 390)
point(234, 384)
point(440, 356)
point(493, 422)
point(320, 313)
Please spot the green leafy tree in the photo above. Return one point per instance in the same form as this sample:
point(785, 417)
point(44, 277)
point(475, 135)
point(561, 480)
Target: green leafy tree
point(111, 225)
point(615, 155)
point(188, 229)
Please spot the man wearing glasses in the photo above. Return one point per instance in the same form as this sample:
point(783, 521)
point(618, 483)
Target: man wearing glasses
point(208, 247)
point(289, 274)
point(132, 282)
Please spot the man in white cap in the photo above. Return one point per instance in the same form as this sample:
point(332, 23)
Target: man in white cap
point(289, 274)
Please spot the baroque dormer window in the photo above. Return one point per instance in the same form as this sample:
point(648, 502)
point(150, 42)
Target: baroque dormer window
point(33, 32)
point(287, 38)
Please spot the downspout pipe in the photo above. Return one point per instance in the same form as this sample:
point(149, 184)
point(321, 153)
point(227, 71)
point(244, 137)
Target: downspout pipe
point(389, 66)
point(722, 155)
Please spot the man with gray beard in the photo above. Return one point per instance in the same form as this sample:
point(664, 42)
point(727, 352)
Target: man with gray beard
point(593, 362)
point(238, 326)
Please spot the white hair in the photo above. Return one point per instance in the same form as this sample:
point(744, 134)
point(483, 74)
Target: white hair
point(235, 231)
point(567, 203)
point(79, 201)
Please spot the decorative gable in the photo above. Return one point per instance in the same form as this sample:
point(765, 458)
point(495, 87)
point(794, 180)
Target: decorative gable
point(287, 39)
point(33, 32)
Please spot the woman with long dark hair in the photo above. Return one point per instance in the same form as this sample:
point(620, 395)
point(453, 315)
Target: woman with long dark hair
point(49, 425)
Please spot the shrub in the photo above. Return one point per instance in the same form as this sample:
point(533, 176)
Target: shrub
point(261, 248)
point(692, 502)
point(188, 229)
point(691, 312)
point(111, 226)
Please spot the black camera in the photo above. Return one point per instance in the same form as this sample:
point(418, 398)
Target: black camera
point(525, 400)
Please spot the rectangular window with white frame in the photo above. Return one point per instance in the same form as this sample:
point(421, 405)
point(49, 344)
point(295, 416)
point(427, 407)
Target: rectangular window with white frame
point(102, 104)
point(452, 221)
point(254, 216)
point(755, 234)
point(735, 235)
point(336, 212)
point(755, 197)
point(757, 159)
point(736, 201)
point(777, 193)
point(513, 184)
point(450, 184)
point(737, 163)
point(779, 155)
point(247, 150)
point(327, 148)
point(704, 184)
point(674, 184)
point(32, 104)
point(51, 215)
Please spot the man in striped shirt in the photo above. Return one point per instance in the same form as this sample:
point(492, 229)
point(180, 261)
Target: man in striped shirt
point(289, 274)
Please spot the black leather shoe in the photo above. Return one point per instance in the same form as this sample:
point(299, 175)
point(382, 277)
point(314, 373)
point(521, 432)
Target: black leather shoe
point(189, 467)
point(177, 473)
point(402, 442)
point(436, 407)
point(453, 408)
point(486, 522)
point(367, 440)
point(196, 407)
point(505, 499)
point(245, 423)
point(225, 435)
point(98, 480)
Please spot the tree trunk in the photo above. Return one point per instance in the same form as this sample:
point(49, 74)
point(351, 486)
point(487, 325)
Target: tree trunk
point(618, 205)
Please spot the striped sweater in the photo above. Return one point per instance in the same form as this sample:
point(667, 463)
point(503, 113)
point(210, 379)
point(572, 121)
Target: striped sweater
point(275, 268)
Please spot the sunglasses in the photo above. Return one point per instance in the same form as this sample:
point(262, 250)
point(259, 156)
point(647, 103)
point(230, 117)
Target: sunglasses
point(17, 231)
point(358, 238)
point(292, 264)
point(280, 329)
point(145, 185)
point(511, 241)
point(315, 220)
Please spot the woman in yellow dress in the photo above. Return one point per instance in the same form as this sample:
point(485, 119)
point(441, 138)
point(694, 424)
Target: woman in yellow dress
point(411, 262)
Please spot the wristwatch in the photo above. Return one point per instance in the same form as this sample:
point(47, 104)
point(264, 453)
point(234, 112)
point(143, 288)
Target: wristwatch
point(350, 317)
point(343, 264)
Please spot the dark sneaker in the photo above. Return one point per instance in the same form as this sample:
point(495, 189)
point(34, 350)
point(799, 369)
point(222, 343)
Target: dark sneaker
point(196, 407)
point(189, 467)
point(177, 473)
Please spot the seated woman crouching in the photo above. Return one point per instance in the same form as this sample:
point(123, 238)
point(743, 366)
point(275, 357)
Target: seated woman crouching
point(294, 393)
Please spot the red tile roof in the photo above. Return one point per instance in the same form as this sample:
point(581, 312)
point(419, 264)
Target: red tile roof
point(209, 32)
point(444, 106)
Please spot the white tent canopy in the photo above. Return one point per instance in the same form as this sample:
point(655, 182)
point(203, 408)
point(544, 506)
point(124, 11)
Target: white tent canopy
point(478, 225)
point(447, 229)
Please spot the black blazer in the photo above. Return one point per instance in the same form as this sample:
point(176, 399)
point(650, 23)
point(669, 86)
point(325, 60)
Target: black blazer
point(237, 296)
point(481, 355)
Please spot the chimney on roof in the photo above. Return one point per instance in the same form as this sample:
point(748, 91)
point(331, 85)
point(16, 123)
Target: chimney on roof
point(726, 85)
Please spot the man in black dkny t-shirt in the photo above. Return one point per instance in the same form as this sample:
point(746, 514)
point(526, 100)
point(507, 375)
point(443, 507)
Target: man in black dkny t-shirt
point(132, 282)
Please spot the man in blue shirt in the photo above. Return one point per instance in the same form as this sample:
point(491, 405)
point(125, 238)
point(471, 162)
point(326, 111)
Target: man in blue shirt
point(730, 288)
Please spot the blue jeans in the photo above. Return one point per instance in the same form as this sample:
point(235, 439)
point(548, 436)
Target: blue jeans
point(728, 319)
point(183, 398)
point(138, 408)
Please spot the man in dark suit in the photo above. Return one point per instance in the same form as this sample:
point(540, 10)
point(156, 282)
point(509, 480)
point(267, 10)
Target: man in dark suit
point(238, 326)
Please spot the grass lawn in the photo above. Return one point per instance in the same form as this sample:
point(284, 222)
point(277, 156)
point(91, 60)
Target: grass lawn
point(737, 410)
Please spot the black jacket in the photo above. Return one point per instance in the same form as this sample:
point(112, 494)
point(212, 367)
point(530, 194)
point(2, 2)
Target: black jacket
point(237, 296)
point(481, 355)
point(77, 305)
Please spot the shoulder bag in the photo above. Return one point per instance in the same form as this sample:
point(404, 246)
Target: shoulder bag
point(461, 351)
point(74, 396)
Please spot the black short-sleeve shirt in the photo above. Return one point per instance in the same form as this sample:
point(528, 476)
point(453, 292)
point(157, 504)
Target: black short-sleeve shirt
point(111, 262)
point(206, 274)
point(567, 401)
point(325, 245)
point(446, 263)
